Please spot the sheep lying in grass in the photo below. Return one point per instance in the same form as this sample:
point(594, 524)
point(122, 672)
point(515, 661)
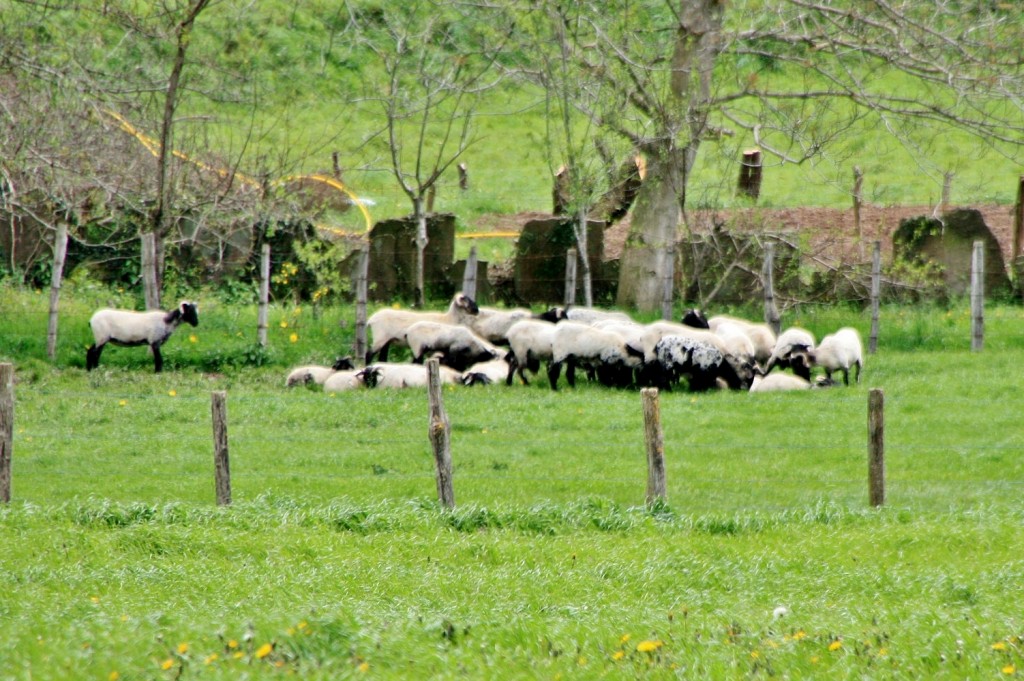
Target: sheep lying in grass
point(316, 373)
point(129, 328)
point(388, 375)
point(777, 383)
point(457, 346)
point(839, 352)
point(388, 326)
point(486, 373)
point(345, 379)
point(529, 344)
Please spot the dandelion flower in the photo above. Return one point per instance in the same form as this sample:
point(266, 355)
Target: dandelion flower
point(232, 644)
point(211, 658)
point(122, 403)
point(1009, 669)
point(618, 655)
point(94, 599)
point(625, 638)
point(192, 338)
point(182, 648)
point(999, 646)
point(239, 655)
point(264, 650)
point(302, 625)
point(172, 393)
point(835, 645)
point(649, 646)
point(284, 324)
point(114, 676)
point(167, 664)
point(364, 667)
point(294, 338)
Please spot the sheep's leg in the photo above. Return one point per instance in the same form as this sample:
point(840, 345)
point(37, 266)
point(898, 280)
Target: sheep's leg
point(158, 360)
point(382, 354)
point(554, 370)
point(512, 366)
point(846, 376)
point(858, 371)
point(570, 371)
point(92, 357)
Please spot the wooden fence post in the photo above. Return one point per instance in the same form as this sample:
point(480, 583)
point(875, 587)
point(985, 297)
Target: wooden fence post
point(440, 437)
point(876, 294)
point(60, 249)
point(1018, 228)
point(668, 283)
point(750, 173)
point(876, 447)
point(362, 293)
point(262, 314)
point(978, 296)
point(570, 277)
point(771, 313)
point(654, 439)
point(6, 429)
point(149, 267)
point(221, 467)
point(469, 276)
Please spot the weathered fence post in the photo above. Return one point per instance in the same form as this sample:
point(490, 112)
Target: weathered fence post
point(876, 447)
point(362, 293)
point(463, 177)
point(262, 314)
point(750, 173)
point(221, 467)
point(978, 296)
point(149, 267)
point(6, 429)
point(771, 313)
point(668, 283)
point(570, 277)
point(60, 249)
point(1018, 230)
point(469, 276)
point(654, 439)
point(876, 294)
point(440, 436)
point(858, 197)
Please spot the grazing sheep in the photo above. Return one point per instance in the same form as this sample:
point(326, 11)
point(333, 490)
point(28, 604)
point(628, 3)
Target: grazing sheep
point(838, 352)
point(129, 328)
point(457, 346)
point(387, 375)
point(701, 362)
point(761, 335)
point(315, 373)
point(792, 350)
point(529, 344)
point(388, 326)
point(583, 315)
point(345, 379)
point(492, 324)
point(604, 353)
point(485, 373)
point(737, 351)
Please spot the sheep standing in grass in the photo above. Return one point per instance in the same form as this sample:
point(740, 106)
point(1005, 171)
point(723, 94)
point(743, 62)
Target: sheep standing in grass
point(493, 324)
point(603, 353)
point(701, 362)
point(839, 352)
point(529, 344)
point(129, 328)
point(792, 350)
point(761, 335)
point(737, 350)
point(457, 346)
point(315, 373)
point(388, 326)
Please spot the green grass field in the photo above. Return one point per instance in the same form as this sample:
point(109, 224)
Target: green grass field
point(335, 560)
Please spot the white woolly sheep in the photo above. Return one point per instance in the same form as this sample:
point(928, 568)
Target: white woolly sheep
point(388, 326)
point(604, 353)
point(457, 346)
point(316, 373)
point(486, 373)
point(838, 352)
point(737, 351)
point(345, 379)
point(130, 328)
point(777, 383)
point(761, 335)
point(493, 324)
point(701, 362)
point(792, 350)
point(389, 375)
point(529, 344)
point(583, 315)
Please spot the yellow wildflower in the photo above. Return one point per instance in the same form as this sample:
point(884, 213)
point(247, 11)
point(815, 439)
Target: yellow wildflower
point(1009, 669)
point(264, 650)
point(167, 664)
point(835, 645)
point(239, 655)
point(624, 639)
point(114, 676)
point(294, 338)
point(94, 599)
point(192, 338)
point(182, 648)
point(618, 655)
point(122, 403)
point(649, 646)
point(999, 646)
point(302, 625)
point(364, 667)
point(211, 658)
point(284, 324)
point(232, 644)
point(172, 393)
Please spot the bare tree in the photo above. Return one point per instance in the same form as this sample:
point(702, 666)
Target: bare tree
point(435, 69)
point(791, 76)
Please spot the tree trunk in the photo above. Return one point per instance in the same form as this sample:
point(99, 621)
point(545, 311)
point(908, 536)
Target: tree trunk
point(581, 239)
point(421, 248)
point(647, 256)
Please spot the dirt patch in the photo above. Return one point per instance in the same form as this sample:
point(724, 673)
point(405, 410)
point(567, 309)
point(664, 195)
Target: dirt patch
point(830, 233)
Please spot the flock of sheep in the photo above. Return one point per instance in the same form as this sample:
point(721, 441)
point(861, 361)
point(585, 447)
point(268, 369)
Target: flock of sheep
point(477, 345)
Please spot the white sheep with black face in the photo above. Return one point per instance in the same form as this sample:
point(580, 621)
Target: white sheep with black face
point(457, 346)
point(839, 351)
point(792, 350)
point(388, 326)
point(530, 343)
point(389, 375)
point(130, 328)
point(761, 335)
point(492, 324)
point(316, 373)
point(605, 354)
point(345, 379)
point(486, 373)
point(735, 348)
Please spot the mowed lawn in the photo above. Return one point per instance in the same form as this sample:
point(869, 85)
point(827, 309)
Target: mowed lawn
point(335, 560)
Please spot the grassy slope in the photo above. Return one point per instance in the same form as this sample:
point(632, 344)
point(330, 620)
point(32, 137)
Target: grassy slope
point(335, 552)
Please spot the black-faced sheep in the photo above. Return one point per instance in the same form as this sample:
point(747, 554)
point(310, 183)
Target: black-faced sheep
point(345, 379)
point(315, 373)
point(530, 343)
point(457, 346)
point(792, 350)
point(695, 318)
point(388, 326)
point(604, 353)
point(583, 315)
point(838, 352)
point(129, 328)
point(738, 352)
point(388, 375)
point(703, 364)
